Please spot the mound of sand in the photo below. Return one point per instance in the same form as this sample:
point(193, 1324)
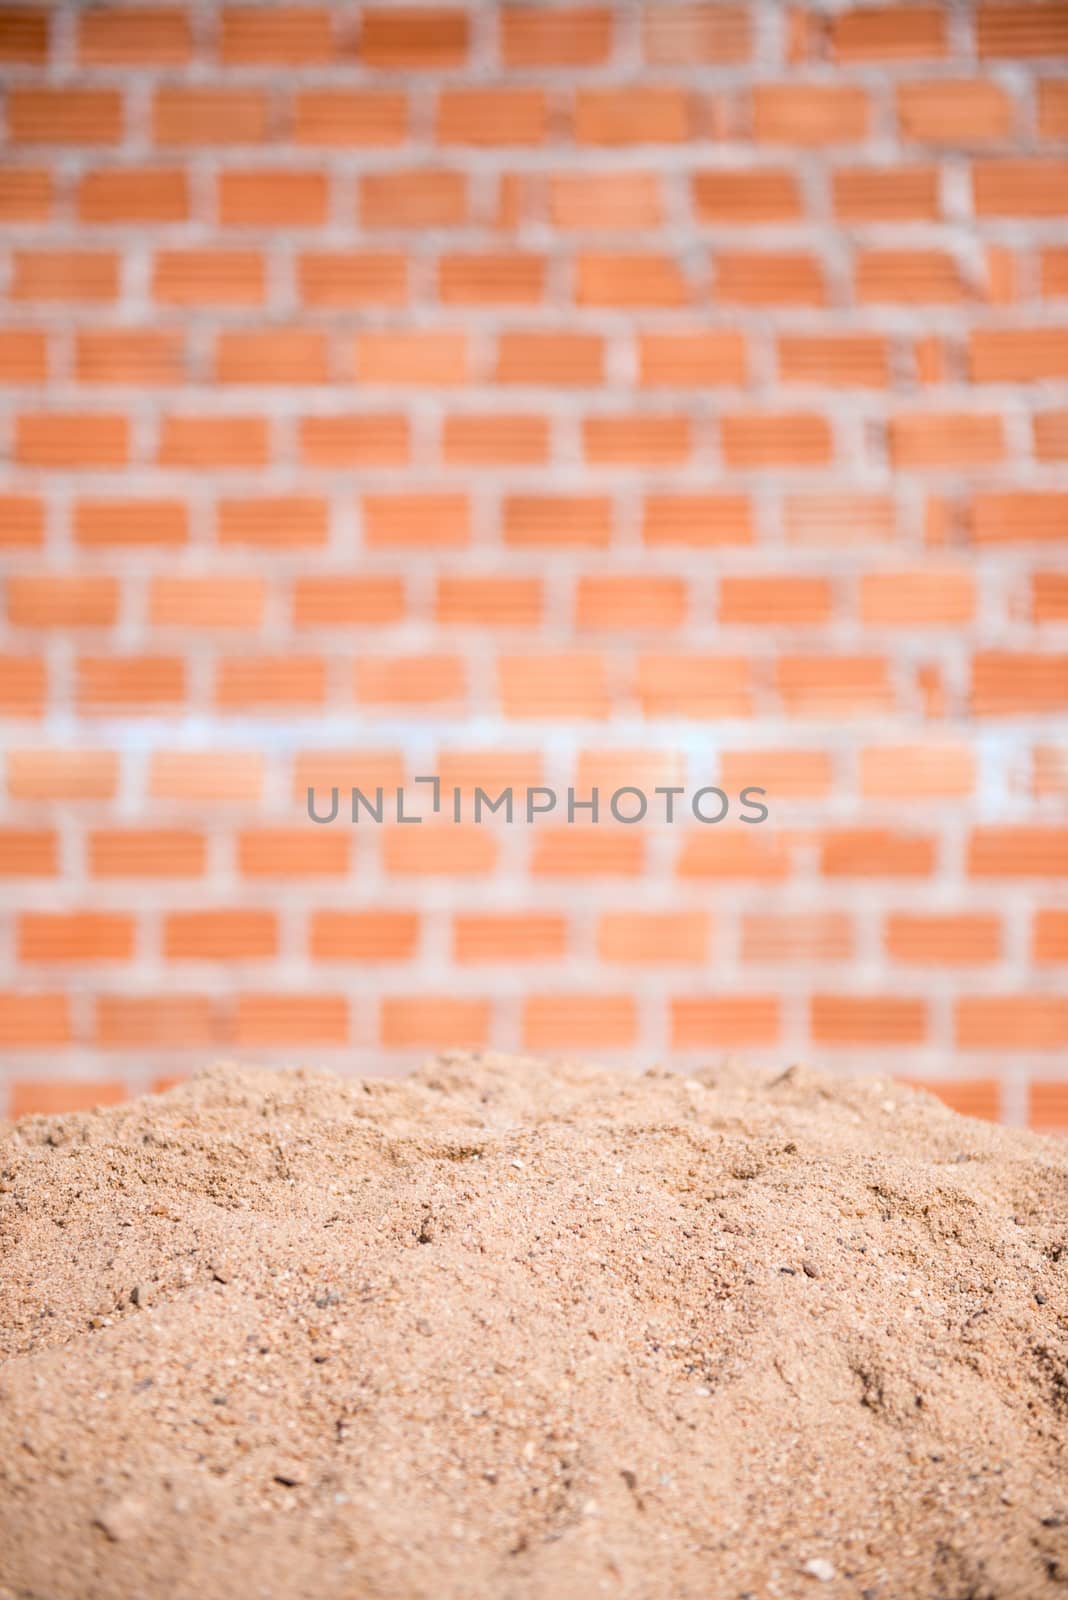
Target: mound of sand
point(518, 1330)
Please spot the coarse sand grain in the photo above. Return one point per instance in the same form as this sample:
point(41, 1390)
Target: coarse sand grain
point(533, 1332)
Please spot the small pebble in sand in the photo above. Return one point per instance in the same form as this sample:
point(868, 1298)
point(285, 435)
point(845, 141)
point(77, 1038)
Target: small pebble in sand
point(819, 1568)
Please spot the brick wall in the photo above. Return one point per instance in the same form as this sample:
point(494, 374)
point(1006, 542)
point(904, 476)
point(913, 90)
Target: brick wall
point(633, 394)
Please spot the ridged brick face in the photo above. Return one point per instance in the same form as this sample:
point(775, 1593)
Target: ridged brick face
point(647, 394)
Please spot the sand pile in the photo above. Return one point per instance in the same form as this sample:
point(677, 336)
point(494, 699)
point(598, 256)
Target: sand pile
point(511, 1330)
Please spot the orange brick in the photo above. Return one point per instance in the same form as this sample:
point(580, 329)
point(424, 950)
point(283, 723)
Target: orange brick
point(489, 116)
point(678, 35)
point(1053, 108)
point(651, 937)
point(692, 358)
point(133, 36)
point(171, 1022)
point(908, 277)
point(23, 685)
point(369, 440)
point(488, 601)
point(554, 359)
point(292, 853)
point(283, 36)
point(449, 851)
point(350, 118)
point(21, 522)
point(28, 853)
point(694, 686)
point(53, 1097)
point(243, 683)
point(1012, 683)
point(1051, 435)
point(512, 279)
point(133, 684)
point(280, 523)
point(1028, 186)
point(923, 598)
point(867, 1019)
point(336, 600)
point(29, 1020)
point(638, 114)
point(228, 935)
point(773, 601)
point(605, 200)
point(24, 35)
point(410, 680)
point(889, 33)
point(25, 194)
point(362, 769)
point(622, 602)
point(1011, 1022)
point(733, 857)
point(698, 520)
point(75, 936)
point(539, 521)
point(276, 1020)
point(1047, 1105)
point(917, 772)
point(363, 935)
point(1037, 29)
point(932, 439)
point(615, 768)
point(101, 524)
point(67, 775)
point(209, 277)
point(756, 195)
point(722, 1022)
point(213, 441)
point(417, 199)
point(553, 686)
point(653, 441)
point(787, 438)
point(969, 1097)
point(1050, 936)
point(403, 37)
point(796, 774)
point(55, 439)
point(416, 521)
point(1049, 769)
point(875, 194)
point(491, 769)
point(943, 938)
point(567, 1021)
point(1049, 596)
point(264, 198)
point(146, 853)
point(876, 853)
point(112, 355)
point(39, 115)
point(509, 936)
point(61, 600)
point(353, 278)
point(210, 116)
point(479, 441)
point(573, 37)
point(419, 356)
point(1006, 517)
point(796, 937)
point(759, 278)
point(212, 602)
point(89, 275)
point(425, 1021)
point(581, 853)
point(954, 111)
point(23, 356)
point(1018, 355)
point(1017, 851)
point(843, 360)
point(133, 194)
point(809, 114)
point(206, 777)
point(271, 356)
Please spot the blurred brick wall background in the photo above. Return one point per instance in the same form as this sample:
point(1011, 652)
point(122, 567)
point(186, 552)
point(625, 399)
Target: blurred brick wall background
point(625, 394)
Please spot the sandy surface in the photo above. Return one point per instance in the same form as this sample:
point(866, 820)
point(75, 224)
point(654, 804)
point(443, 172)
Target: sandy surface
point(512, 1330)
